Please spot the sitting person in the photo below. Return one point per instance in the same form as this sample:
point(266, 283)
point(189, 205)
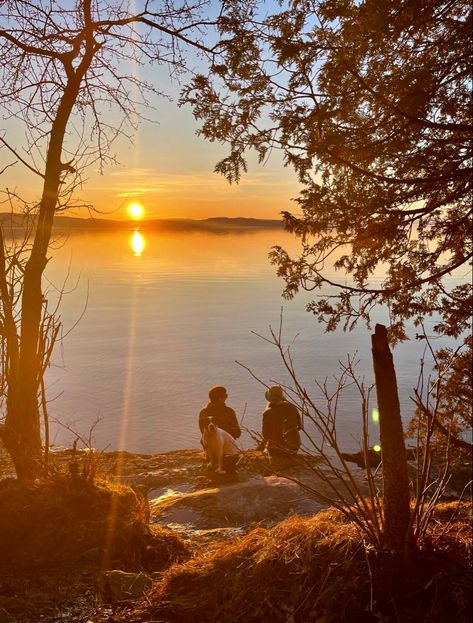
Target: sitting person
point(281, 424)
point(217, 411)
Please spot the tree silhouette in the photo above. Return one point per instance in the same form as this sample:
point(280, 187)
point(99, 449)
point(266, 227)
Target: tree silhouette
point(370, 104)
point(67, 79)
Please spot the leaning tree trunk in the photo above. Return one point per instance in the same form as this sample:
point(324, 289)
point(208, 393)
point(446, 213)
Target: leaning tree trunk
point(398, 532)
point(21, 433)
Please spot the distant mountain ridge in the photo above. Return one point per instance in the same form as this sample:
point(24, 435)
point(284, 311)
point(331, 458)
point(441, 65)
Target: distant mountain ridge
point(216, 223)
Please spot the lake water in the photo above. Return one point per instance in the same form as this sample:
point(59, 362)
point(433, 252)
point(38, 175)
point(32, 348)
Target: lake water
point(167, 315)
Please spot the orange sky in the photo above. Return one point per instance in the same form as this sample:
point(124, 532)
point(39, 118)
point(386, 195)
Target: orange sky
point(169, 171)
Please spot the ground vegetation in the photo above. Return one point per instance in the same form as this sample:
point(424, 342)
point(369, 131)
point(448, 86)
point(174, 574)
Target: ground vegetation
point(318, 569)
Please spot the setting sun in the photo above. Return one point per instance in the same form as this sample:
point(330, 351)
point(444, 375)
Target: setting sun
point(135, 210)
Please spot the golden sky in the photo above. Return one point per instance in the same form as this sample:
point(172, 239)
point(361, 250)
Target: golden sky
point(191, 193)
point(166, 168)
point(169, 171)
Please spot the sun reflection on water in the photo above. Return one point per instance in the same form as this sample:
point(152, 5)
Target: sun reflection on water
point(137, 243)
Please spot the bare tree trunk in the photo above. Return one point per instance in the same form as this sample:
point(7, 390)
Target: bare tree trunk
point(398, 532)
point(52, 58)
point(22, 432)
point(19, 435)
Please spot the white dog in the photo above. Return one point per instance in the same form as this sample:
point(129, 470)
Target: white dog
point(217, 444)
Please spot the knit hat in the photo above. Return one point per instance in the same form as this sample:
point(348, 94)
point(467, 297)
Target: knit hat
point(274, 394)
point(217, 392)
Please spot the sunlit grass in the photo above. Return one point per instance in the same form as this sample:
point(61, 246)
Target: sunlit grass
point(317, 568)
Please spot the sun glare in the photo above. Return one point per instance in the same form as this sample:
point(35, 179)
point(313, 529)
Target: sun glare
point(137, 243)
point(135, 210)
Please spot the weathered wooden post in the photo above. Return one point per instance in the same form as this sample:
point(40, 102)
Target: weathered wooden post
point(398, 532)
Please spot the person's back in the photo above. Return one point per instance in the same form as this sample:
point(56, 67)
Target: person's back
point(217, 411)
point(281, 424)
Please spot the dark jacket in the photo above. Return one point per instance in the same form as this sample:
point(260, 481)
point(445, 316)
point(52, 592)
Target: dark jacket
point(281, 425)
point(223, 416)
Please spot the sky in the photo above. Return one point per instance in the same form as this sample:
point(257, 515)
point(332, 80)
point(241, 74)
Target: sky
point(167, 169)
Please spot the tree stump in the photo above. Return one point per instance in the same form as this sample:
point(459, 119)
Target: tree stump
point(398, 533)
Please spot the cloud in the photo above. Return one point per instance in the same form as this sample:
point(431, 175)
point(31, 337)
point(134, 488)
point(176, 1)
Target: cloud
point(133, 193)
point(138, 182)
point(135, 172)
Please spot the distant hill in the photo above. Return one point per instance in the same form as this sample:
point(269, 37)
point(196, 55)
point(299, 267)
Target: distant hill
point(215, 224)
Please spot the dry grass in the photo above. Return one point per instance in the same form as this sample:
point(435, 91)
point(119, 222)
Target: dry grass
point(58, 535)
point(72, 520)
point(267, 575)
point(317, 569)
point(450, 532)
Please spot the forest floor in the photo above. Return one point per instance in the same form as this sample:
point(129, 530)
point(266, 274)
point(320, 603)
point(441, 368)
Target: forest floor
point(193, 517)
point(45, 586)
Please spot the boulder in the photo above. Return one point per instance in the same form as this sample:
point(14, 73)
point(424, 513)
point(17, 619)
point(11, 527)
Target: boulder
point(373, 456)
point(263, 500)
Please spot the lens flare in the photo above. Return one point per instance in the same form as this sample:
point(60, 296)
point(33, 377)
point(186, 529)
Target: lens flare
point(375, 415)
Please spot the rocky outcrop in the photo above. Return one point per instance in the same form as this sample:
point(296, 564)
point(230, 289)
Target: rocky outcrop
point(373, 456)
point(261, 493)
point(264, 500)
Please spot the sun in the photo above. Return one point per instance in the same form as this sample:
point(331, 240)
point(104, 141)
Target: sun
point(135, 210)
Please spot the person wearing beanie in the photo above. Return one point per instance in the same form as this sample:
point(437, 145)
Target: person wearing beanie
point(281, 424)
point(222, 416)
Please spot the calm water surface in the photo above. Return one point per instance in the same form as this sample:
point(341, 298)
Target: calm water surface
point(169, 318)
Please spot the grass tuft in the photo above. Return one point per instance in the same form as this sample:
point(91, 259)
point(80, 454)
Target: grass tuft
point(316, 569)
point(62, 520)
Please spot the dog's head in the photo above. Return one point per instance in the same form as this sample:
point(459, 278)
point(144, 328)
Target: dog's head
point(210, 429)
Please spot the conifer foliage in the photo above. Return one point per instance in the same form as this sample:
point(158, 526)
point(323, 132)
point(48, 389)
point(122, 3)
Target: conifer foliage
point(370, 104)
